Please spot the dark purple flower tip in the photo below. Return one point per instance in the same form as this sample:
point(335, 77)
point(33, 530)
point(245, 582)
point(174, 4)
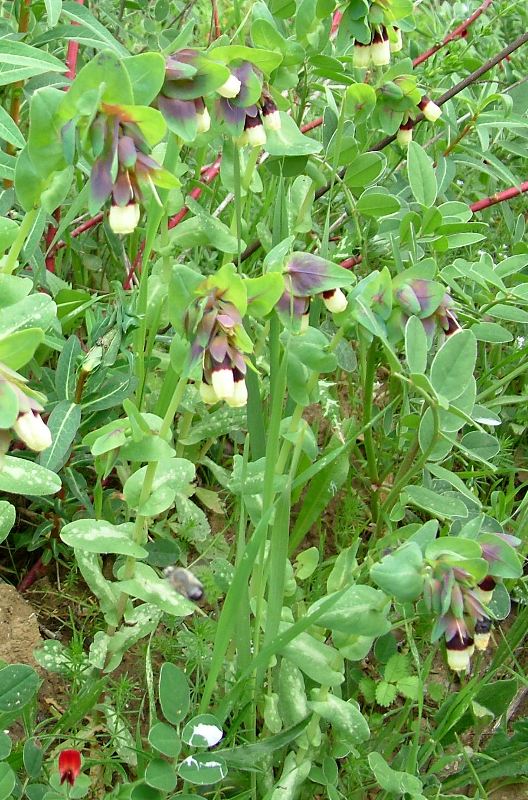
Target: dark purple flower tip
point(483, 625)
point(459, 641)
point(122, 191)
point(488, 584)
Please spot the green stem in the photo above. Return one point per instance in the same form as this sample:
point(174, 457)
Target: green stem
point(140, 525)
point(368, 392)
point(155, 216)
point(409, 467)
point(16, 248)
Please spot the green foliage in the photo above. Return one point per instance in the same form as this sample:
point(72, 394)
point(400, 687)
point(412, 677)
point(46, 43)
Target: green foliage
point(271, 443)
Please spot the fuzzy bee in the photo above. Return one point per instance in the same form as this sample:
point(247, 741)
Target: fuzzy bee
point(184, 582)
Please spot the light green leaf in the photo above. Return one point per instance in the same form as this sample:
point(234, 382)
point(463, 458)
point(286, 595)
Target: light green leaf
point(415, 346)
point(19, 61)
point(345, 718)
point(9, 132)
point(422, 177)
point(289, 141)
point(53, 10)
point(19, 348)
point(453, 365)
point(390, 779)
point(99, 536)
point(21, 476)
point(80, 14)
point(7, 519)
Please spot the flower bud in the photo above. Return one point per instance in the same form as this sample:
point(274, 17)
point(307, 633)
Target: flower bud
point(485, 589)
point(208, 394)
point(240, 393)
point(380, 51)
point(203, 120)
point(254, 131)
point(270, 116)
point(397, 45)
point(405, 133)
point(124, 219)
point(31, 428)
point(362, 55)
point(482, 633)
point(230, 88)
point(459, 651)
point(429, 109)
point(223, 383)
point(335, 301)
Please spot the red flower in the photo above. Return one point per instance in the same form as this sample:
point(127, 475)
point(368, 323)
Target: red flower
point(69, 766)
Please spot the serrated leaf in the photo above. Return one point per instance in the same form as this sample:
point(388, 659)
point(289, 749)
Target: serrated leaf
point(385, 694)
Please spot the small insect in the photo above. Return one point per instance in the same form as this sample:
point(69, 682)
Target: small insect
point(184, 582)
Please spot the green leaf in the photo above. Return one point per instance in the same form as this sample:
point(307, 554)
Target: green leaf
point(19, 348)
point(103, 78)
point(317, 660)
point(438, 504)
point(21, 61)
point(10, 132)
point(173, 475)
point(7, 519)
point(365, 169)
point(157, 592)
point(289, 141)
point(53, 10)
point(385, 694)
point(409, 687)
point(81, 15)
point(202, 769)
point(453, 365)
point(481, 445)
point(174, 694)
point(263, 293)
point(7, 781)
point(491, 332)
point(346, 718)
point(147, 74)
point(160, 775)
point(396, 668)
point(165, 740)
point(415, 346)
point(33, 755)
point(400, 573)
point(422, 178)
point(392, 780)
point(360, 102)
point(265, 60)
point(360, 610)
point(63, 423)
point(202, 731)
point(100, 536)
point(21, 476)
point(18, 685)
point(377, 204)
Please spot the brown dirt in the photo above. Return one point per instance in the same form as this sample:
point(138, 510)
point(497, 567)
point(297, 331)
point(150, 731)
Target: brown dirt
point(19, 630)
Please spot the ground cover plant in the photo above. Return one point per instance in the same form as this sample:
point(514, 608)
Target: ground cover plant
point(263, 384)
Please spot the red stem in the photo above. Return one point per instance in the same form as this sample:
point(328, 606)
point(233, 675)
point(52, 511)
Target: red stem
point(208, 175)
point(499, 197)
point(457, 33)
point(32, 575)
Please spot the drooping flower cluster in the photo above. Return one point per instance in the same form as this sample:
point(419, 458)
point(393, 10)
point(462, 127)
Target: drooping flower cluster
point(431, 112)
point(122, 165)
point(21, 412)
point(462, 600)
point(384, 41)
point(307, 276)
point(219, 342)
point(427, 300)
point(240, 100)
